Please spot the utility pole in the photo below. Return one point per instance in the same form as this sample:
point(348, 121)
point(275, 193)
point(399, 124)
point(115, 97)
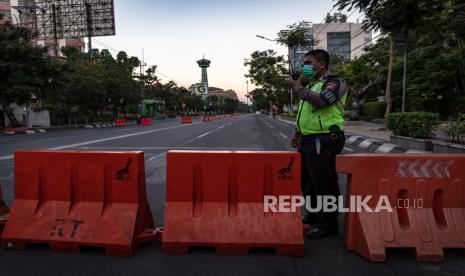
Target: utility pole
point(404, 81)
point(247, 95)
point(290, 70)
point(142, 63)
point(89, 27)
point(389, 80)
point(55, 35)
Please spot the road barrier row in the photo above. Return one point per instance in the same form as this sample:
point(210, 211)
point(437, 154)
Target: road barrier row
point(186, 119)
point(207, 119)
point(69, 199)
point(146, 121)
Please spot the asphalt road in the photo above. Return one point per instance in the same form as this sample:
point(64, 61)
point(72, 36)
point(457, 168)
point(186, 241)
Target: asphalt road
point(250, 132)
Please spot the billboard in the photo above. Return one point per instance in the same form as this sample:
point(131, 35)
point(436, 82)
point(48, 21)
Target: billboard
point(74, 18)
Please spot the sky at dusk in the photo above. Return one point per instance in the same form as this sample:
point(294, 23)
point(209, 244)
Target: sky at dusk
point(175, 34)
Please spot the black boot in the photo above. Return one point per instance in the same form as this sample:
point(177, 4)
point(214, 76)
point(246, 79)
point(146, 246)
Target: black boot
point(320, 231)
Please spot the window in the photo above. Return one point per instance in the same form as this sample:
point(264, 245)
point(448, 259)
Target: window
point(367, 39)
point(339, 44)
point(5, 1)
point(367, 32)
point(26, 3)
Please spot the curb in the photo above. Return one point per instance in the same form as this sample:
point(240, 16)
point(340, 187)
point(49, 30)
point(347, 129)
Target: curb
point(41, 130)
point(27, 132)
point(368, 144)
point(377, 146)
point(103, 125)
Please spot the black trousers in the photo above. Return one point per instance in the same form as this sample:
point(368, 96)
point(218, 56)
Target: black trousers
point(318, 172)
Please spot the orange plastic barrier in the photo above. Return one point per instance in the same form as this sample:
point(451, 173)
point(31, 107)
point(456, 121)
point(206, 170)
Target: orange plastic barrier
point(217, 199)
point(146, 122)
point(186, 119)
point(427, 193)
point(206, 119)
point(121, 122)
point(69, 199)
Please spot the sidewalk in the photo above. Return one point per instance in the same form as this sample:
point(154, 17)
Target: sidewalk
point(367, 129)
point(358, 128)
point(368, 136)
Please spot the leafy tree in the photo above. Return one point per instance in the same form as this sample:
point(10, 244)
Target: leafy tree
point(230, 105)
point(436, 71)
point(26, 69)
point(270, 72)
point(259, 99)
point(365, 74)
point(294, 35)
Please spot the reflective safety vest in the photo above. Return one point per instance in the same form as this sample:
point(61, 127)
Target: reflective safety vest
point(313, 120)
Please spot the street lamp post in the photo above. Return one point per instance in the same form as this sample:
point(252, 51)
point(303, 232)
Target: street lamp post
point(247, 94)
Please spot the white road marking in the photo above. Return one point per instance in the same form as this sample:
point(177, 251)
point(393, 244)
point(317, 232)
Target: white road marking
point(352, 139)
point(221, 127)
point(365, 144)
point(155, 157)
point(348, 149)
point(205, 134)
point(386, 148)
point(282, 135)
point(8, 157)
point(106, 139)
point(166, 148)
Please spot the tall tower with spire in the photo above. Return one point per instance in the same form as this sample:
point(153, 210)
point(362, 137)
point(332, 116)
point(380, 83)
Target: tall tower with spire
point(204, 64)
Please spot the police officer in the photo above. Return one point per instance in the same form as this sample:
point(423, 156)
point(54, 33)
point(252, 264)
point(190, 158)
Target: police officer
point(319, 137)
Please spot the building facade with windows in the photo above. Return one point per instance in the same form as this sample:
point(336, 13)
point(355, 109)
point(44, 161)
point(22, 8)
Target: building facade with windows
point(335, 35)
point(342, 38)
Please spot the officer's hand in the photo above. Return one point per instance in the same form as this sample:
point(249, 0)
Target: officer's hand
point(295, 140)
point(294, 83)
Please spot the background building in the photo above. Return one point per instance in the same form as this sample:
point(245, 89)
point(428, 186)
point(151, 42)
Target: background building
point(222, 94)
point(337, 36)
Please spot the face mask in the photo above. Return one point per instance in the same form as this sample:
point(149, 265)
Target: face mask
point(308, 71)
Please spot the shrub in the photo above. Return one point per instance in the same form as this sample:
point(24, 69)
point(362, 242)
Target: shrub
point(374, 109)
point(413, 124)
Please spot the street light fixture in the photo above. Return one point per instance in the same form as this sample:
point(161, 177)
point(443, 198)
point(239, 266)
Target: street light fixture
point(269, 39)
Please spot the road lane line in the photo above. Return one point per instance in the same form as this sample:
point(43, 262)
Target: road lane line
point(205, 134)
point(117, 137)
point(6, 157)
point(106, 139)
point(221, 127)
point(166, 148)
point(155, 157)
point(282, 135)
